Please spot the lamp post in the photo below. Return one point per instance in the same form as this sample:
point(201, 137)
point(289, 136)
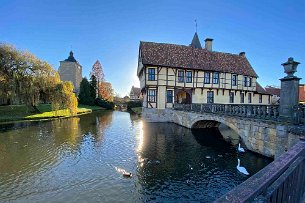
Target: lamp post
point(289, 90)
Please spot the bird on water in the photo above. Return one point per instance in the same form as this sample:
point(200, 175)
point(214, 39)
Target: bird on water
point(241, 169)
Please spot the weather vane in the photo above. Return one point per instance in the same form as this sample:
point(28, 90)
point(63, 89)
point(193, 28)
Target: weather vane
point(196, 24)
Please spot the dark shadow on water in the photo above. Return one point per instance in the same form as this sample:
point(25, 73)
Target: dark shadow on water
point(193, 165)
point(211, 137)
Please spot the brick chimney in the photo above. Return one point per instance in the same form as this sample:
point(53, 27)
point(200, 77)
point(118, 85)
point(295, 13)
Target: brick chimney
point(208, 44)
point(242, 53)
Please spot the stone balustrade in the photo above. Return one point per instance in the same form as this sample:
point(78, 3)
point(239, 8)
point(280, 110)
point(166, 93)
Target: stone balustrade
point(267, 112)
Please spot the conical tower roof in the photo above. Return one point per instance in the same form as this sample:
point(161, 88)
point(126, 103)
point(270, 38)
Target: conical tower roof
point(196, 42)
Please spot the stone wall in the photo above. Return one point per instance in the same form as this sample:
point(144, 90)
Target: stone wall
point(71, 71)
point(268, 138)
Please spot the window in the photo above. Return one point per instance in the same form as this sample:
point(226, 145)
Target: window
point(180, 76)
point(269, 99)
point(151, 74)
point(247, 81)
point(231, 97)
point(242, 98)
point(234, 80)
point(169, 96)
point(210, 97)
point(249, 98)
point(215, 77)
point(207, 78)
point(151, 95)
point(260, 98)
point(188, 76)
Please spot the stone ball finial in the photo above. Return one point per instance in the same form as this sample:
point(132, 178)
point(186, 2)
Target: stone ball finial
point(290, 67)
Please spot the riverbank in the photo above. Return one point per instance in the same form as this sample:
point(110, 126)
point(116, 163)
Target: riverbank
point(21, 112)
point(137, 110)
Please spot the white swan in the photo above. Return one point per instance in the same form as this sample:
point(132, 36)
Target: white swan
point(240, 149)
point(241, 169)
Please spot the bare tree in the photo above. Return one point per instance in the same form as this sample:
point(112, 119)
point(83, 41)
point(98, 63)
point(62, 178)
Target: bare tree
point(98, 72)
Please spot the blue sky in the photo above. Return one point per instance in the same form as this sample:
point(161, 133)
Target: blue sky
point(268, 31)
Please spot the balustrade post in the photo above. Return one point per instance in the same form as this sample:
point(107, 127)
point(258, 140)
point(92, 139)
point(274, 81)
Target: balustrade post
point(249, 111)
point(259, 111)
point(264, 111)
point(244, 111)
point(275, 112)
point(268, 112)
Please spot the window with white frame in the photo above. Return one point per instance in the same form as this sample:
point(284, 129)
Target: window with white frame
point(151, 74)
point(151, 95)
point(210, 97)
point(215, 78)
point(207, 76)
point(180, 76)
point(188, 76)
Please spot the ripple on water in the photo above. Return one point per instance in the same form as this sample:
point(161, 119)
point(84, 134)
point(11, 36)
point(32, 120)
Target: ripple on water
point(77, 159)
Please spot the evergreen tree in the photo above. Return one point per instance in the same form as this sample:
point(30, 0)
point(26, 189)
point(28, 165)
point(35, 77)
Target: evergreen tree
point(84, 93)
point(93, 87)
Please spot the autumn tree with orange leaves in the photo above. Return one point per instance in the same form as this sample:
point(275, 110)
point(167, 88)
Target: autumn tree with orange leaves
point(106, 91)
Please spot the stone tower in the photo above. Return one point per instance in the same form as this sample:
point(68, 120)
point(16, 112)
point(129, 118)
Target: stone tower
point(71, 70)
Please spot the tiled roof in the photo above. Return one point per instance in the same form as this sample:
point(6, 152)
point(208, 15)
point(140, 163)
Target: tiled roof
point(260, 89)
point(180, 56)
point(136, 91)
point(273, 90)
point(302, 93)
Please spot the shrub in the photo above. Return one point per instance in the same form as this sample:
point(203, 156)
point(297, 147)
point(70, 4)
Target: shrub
point(103, 103)
point(134, 104)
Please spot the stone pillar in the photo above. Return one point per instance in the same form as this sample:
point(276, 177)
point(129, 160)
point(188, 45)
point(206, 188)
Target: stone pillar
point(289, 90)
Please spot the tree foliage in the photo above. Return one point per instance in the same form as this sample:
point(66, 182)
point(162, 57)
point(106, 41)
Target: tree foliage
point(93, 87)
point(106, 91)
point(64, 98)
point(84, 93)
point(25, 79)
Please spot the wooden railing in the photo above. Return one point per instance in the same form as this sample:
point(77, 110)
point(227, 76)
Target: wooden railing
point(270, 112)
point(283, 180)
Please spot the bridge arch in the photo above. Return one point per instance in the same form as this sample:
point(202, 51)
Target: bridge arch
point(212, 121)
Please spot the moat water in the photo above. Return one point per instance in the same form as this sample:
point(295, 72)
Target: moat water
point(82, 159)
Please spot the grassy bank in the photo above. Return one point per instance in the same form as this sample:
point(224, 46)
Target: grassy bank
point(21, 112)
point(137, 110)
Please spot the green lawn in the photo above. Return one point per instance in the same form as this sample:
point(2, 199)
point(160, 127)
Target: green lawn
point(137, 110)
point(21, 112)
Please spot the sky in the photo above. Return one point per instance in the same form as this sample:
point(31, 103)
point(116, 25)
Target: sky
point(111, 30)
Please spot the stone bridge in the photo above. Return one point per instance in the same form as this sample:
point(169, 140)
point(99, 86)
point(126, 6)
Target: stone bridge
point(259, 129)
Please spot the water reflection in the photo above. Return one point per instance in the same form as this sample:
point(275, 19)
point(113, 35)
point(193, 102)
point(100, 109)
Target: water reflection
point(77, 160)
point(192, 165)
